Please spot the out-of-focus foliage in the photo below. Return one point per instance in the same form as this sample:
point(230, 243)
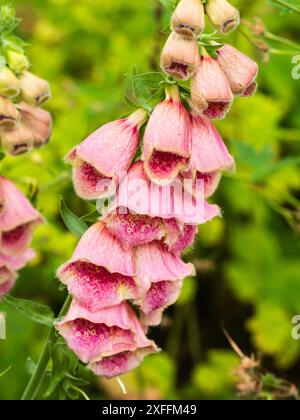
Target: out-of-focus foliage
point(248, 262)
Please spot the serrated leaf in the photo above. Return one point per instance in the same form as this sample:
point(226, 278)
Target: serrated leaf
point(73, 223)
point(37, 312)
point(141, 92)
point(150, 80)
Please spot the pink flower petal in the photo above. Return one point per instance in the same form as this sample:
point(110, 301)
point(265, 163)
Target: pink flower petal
point(155, 263)
point(96, 288)
point(167, 142)
point(118, 142)
point(99, 247)
point(108, 332)
point(239, 69)
point(122, 363)
point(210, 90)
point(160, 296)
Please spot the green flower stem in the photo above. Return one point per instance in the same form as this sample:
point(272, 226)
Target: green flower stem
point(37, 377)
point(288, 5)
point(282, 40)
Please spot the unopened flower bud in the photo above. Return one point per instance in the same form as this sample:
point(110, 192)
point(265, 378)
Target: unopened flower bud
point(9, 84)
point(9, 115)
point(222, 15)
point(18, 62)
point(18, 141)
point(188, 18)
point(35, 91)
point(38, 121)
point(180, 56)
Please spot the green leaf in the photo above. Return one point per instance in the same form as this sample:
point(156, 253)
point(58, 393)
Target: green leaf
point(8, 20)
point(151, 80)
point(73, 223)
point(60, 367)
point(141, 92)
point(169, 4)
point(37, 312)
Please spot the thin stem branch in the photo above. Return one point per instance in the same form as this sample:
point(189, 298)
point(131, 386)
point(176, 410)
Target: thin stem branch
point(37, 377)
point(288, 5)
point(282, 40)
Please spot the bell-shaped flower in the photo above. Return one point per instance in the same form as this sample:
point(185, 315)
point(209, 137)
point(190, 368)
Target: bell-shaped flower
point(34, 90)
point(160, 296)
point(240, 70)
point(9, 115)
point(101, 160)
point(138, 195)
point(180, 56)
point(38, 121)
point(96, 336)
point(18, 218)
point(155, 263)
point(222, 15)
point(210, 89)
point(167, 139)
point(188, 18)
point(101, 272)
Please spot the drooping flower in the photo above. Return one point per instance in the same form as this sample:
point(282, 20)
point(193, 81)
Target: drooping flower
point(9, 267)
point(9, 115)
point(188, 18)
point(159, 297)
point(222, 15)
point(167, 139)
point(17, 219)
point(101, 272)
point(180, 56)
point(209, 155)
point(239, 69)
point(111, 332)
point(17, 61)
point(38, 121)
point(9, 83)
point(210, 90)
point(154, 263)
point(17, 141)
point(101, 160)
point(34, 90)
point(138, 195)
point(179, 237)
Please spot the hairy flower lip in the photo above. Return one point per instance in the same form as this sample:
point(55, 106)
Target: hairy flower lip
point(121, 332)
point(9, 115)
point(167, 143)
point(35, 91)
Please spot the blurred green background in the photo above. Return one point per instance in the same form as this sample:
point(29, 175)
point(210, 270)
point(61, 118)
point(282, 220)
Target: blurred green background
point(248, 267)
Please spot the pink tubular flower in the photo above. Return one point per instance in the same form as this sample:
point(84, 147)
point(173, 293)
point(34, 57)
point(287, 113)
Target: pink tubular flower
point(38, 121)
point(209, 154)
point(138, 195)
point(179, 237)
point(160, 296)
point(9, 267)
point(188, 18)
point(180, 56)
point(101, 272)
point(94, 337)
point(239, 69)
point(155, 263)
point(210, 90)
point(17, 219)
point(102, 159)
point(167, 141)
